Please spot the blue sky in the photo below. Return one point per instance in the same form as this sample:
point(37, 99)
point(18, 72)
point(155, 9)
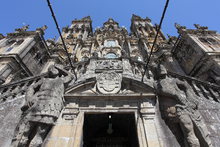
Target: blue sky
point(15, 13)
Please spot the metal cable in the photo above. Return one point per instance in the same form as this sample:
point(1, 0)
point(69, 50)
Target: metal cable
point(64, 45)
point(155, 39)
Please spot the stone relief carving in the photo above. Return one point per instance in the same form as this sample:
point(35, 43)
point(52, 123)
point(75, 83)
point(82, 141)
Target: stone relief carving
point(108, 65)
point(109, 82)
point(44, 102)
point(85, 54)
point(186, 110)
point(137, 69)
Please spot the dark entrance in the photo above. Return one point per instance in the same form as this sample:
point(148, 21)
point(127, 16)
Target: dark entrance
point(109, 130)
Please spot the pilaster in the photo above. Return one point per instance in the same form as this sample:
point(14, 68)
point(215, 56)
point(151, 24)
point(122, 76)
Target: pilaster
point(148, 116)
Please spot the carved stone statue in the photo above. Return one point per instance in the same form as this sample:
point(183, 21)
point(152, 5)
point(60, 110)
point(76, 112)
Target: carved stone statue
point(186, 111)
point(43, 28)
point(44, 102)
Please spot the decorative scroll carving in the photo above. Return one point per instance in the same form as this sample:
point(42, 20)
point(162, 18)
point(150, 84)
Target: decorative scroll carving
point(109, 82)
point(108, 65)
point(185, 110)
point(44, 102)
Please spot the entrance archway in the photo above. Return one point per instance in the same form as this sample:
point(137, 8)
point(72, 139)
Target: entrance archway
point(110, 130)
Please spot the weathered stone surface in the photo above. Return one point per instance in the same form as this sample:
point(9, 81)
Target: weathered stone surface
point(44, 102)
point(9, 117)
point(167, 105)
point(185, 109)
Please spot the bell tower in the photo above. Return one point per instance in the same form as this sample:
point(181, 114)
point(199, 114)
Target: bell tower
point(144, 29)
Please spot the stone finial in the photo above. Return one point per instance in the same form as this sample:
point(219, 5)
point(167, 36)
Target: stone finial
point(111, 21)
point(134, 17)
point(87, 18)
point(171, 39)
point(180, 28)
point(148, 19)
point(22, 29)
point(42, 29)
point(2, 36)
point(65, 29)
point(200, 27)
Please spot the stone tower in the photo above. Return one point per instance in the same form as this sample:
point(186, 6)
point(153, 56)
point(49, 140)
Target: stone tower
point(20, 48)
point(104, 101)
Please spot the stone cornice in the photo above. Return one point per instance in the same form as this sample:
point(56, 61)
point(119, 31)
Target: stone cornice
point(85, 19)
point(200, 30)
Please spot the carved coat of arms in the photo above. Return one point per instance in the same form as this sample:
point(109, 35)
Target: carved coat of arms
point(109, 82)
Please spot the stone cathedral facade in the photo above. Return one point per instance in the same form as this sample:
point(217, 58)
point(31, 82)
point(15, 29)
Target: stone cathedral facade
point(107, 99)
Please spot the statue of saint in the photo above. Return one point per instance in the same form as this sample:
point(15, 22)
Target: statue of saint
point(186, 108)
point(44, 102)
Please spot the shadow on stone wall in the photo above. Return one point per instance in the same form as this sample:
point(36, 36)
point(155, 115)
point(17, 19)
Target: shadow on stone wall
point(9, 117)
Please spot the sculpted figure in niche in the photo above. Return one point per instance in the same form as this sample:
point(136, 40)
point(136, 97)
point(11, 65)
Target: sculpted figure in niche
point(185, 110)
point(44, 102)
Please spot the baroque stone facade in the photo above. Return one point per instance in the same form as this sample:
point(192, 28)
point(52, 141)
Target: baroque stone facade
point(103, 101)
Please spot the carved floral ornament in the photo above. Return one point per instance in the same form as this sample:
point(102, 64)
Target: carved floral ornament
point(108, 65)
point(109, 82)
point(85, 53)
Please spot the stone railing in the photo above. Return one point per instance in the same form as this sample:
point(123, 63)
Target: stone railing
point(202, 89)
point(17, 88)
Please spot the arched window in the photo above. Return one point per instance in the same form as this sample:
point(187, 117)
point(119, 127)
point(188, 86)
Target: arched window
point(110, 43)
point(111, 56)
